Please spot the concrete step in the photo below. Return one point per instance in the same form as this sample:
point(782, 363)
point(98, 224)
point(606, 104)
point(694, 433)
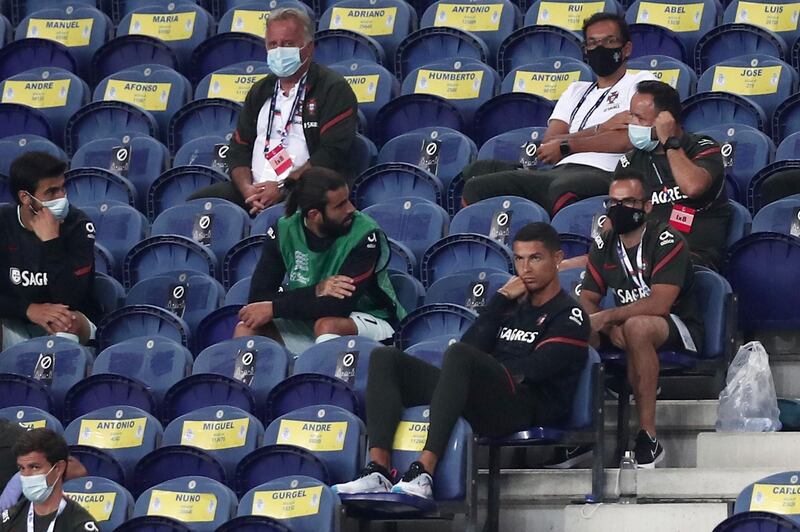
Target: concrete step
point(786, 374)
point(748, 449)
point(650, 517)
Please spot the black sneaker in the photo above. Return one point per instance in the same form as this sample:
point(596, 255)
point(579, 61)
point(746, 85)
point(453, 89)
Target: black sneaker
point(567, 457)
point(648, 451)
point(416, 481)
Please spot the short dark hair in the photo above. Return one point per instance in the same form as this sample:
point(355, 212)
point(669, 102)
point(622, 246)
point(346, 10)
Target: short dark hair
point(29, 168)
point(540, 232)
point(311, 190)
point(665, 98)
point(45, 441)
point(628, 174)
point(624, 30)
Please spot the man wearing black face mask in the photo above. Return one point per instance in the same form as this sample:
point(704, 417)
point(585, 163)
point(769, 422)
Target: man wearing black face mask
point(585, 134)
point(646, 266)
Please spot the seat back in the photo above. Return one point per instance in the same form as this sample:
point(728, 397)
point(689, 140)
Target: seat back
point(206, 389)
point(98, 463)
point(310, 389)
point(740, 223)
point(130, 51)
point(118, 228)
point(415, 222)
point(759, 496)
point(18, 119)
point(688, 19)
point(432, 351)
point(582, 413)
point(715, 293)
point(789, 148)
point(100, 120)
point(373, 85)
point(779, 217)
point(499, 218)
point(412, 111)
point(231, 82)
point(315, 507)
point(652, 39)
point(529, 44)
point(241, 260)
point(216, 326)
point(225, 49)
point(24, 54)
point(518, 145)
point(275, 461)
point(386, 21)
point(107, 390)
point(16, 390)
point(20, 10)
point(722, 108)
point(393, 181)
point(201, 502)
point(566, 14)
point(15, 145)
point(86, 186)
point(266, 219)
point(469, 289)
point(510, 111)
point(250, 16)
point(164, 254)
point(173, 187)
point(429, 321)
point(30, 417)
point(461, 252)
point(547, 77)
point(435, 43)
point(333, 46)
point(584, 218)
point(106, 501)
point(141, 320)
point(408, 289)
point(768, 14)
point(731, 40)
point(786, 119)
point(211, 116)
point(675, 73)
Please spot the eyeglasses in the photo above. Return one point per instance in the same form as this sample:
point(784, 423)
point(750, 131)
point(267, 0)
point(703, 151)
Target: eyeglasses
point(627, 202)
point(606, 42)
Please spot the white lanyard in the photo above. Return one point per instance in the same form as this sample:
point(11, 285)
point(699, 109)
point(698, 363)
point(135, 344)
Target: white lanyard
point(635, 275)
point(61, 506)
point(298, 102)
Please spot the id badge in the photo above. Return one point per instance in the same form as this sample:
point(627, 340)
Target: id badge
point(279, 159)
point(682, 218)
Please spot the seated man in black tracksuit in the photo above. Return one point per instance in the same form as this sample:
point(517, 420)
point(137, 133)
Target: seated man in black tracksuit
point(516, 366)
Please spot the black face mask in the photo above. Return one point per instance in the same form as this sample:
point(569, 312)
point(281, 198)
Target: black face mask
point(604, 61)
point(625, 219)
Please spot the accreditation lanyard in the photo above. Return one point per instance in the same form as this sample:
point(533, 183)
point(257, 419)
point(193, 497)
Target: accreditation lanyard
point(61, 506)
point(635, 275)
point(594, 107)
point(298, 100)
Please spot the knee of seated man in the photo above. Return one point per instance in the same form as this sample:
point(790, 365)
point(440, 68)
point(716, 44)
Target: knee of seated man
point(328, 325)
point(638, 328)
point(454, 353)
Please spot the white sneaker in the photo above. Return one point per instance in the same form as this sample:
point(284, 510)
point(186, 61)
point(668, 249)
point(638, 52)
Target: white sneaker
point(415, 482)
point(373, 479)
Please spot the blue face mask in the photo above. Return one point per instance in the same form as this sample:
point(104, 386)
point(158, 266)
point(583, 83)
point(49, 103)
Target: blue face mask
point(59, 207)
point(640, 137)
point(284, 60)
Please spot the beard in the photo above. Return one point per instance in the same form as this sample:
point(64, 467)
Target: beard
point(334, 229)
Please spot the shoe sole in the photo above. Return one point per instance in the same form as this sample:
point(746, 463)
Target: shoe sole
point(654, 463)
point(572, 462)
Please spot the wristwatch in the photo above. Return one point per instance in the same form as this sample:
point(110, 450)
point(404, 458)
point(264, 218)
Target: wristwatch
point(565, 149)
point(673, 143)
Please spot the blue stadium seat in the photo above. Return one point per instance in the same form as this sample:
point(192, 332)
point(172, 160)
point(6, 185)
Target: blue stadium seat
point(14, 146)
point(224, 432)
point(217, 326)
point(123, 432)
point(498, 218)
point(19, 9)
point(773, 182)
point(461, 252)
point(413, 111)
point(402, 259)
point(651, 39)
point(373, 85)
point(266, 219)
point(169, 462)
point(434, 43)
point(471, 289)
point(432, 351)
point(693, 21)
point(572, 281)
point(101, 120)
point(152, 523)
point(108, 390)
point(677, 74)
point(430, 321)
point(386, 21)
point(414, 222)
point(731, 40)
point(789, 148)
point(363, 154)
point(393, 181)
point(141, 320)
point(241, 260)
point(56, 362)
point(103, 261)
point(212, 503)
point(254, 523)
point(532, 43)
point(239, 293)
point(88, 29)
point(706, 108)
point(757, 521)
point(5, 193)
point(223, 50)
point(16, 119)
point(173, 187)
point(206, 389)
point(250, 16)
point(740, 223)
point(510, 111)
point(578, 218)
point(453, 151)
point(212, 116)
point(217, 224)
point(109, 503)
point(409, 290)
point(130, 51)
point(334, 46)
point(787, 118)
point(231, 82)
point(745, 150)
point(307, 492)
point(268, 364)
point(98, 463)
point(275, 461)
point(183, 26)
point(767, 14)
point(56, 93)
point(310, 389)
point(547, 77)
point(510, 145)
point(156, 361)
point(566, 14)
point(30, 417)
point(208, 150)
point(92, 186)
point(754, 499)
point(167, 253)
point(16, 390)
point(118, 228)
point(778, 217)
point(22, 55)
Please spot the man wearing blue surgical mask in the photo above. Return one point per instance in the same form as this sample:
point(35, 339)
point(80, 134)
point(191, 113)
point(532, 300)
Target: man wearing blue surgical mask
point(301, 115)
point(42, 460)
point(46, 256)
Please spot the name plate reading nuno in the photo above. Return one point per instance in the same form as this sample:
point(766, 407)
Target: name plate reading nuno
point(776, 498)
point(410, 436)
point(287, 504)
point(112, 433)
point(215, 435)
point(99, 505)
point(188, 507)
point(314, 436)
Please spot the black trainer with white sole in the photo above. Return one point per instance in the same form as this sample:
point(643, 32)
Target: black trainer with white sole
point(648, 451)
point(568, 457)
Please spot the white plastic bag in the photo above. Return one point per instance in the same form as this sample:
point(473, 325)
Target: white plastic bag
point(749, 403)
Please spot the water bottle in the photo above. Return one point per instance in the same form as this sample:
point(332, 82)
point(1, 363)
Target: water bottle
point(627, 479)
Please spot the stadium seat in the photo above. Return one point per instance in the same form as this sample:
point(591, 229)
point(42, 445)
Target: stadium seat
point(510, 111)
point(394, 181)
point(275, 461)
point(314, 506)
point(386, 21)
point(29, 417)
point(652, 39)
point(740, 223)
point(529, 44)
point(373, 85)
point(548, 77)
point(779, 217)
point(183, 26)
point(217, 326)
point(206, 389)
point(677, 74)
point(5, 193)
point(223, 50)
point(141, 320)
point(451, 151)
point(471, 289)
point(434, 43)
point(413, 111)
point(101, 120)
point(731, 40)
point(432, 351)
point(212, 116)
point(103, 261)
point(123, 432)
point(56, 362)
point(92, 186)
point(168, 462)
point(173, 187)
point(14, 146)
point(254, 523)
point(583, 218)
point(216, 224)
point(130, 51)
point(686, 18)
point(208, 150)
point(156, 361)
point(409, 290)
point(266, 219)
point(334, 46)
point(118, 227)
point(566, 14)
point(789, 148)
point(499, 218)
point(764, 14)
point(106, 390)
point(706, 108)
point(310, 389)
point(513, 145)
point(430, 321)
point(250, 16)
point(25, 54)
point(108, 503)
point(98, 463)
point(82, 29)
point(152, 523)
point(773, 182)
point(402, 259)
point(415, 222)
point(202, 503)
point(56, 93)
point(231, 82)
point(787, 118)
point(241, 260)
point(17, 119)
point(166, 253)
point(462, 252)
point(16, 390)
point(755, 499)
point(745, 522)
point(258, 362)
point(19, 9)
point(239, 293)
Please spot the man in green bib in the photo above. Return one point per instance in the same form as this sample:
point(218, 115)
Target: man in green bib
point(334, 260)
